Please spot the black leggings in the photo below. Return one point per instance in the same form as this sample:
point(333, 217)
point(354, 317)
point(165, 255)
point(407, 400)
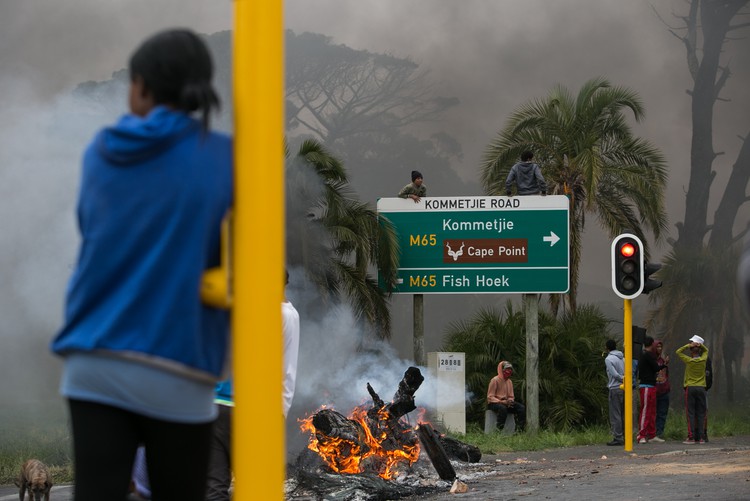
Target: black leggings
point(104, 443)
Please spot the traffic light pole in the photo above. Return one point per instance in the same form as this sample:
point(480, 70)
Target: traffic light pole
point(628, 380)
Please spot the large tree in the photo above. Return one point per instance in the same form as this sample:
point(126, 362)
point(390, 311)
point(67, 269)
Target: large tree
point(699, 293)
point(378, 112)
point(334, 91)
point(587, 152)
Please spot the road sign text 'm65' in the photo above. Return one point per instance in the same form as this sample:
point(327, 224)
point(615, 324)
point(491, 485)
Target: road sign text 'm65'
point(453, 245)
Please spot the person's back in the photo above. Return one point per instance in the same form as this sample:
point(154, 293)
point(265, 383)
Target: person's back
point(527, 177)
point(142, 353)
point(153, 194)
point(615, 365)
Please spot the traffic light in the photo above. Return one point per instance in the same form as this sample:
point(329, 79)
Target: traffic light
point(650, 284)
point(627, 266)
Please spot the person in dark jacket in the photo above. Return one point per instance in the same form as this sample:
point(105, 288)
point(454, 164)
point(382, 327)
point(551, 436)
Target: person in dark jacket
point(527, 177)
point(648, 367)
point(141, 352)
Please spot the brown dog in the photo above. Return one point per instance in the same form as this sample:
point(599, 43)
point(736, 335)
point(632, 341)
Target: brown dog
point(36, 479)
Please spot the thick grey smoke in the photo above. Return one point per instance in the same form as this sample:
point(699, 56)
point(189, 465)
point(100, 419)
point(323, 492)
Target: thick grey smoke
point(496, 55)
point(337, 362)
point(493, 55)
point(47, 48)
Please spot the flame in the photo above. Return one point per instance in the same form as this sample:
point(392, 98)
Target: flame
point(345, 456)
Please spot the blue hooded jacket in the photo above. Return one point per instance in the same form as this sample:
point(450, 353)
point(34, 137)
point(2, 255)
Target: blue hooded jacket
point(153, 194)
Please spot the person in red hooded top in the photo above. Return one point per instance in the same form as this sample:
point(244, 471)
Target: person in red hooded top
point(502, 400)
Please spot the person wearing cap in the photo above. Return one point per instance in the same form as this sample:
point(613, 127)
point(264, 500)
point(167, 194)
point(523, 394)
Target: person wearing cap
point(502, 400)
point(527, 177)
point(662, 389)
point(695, 387)
point(648, 368)
point(414, 190)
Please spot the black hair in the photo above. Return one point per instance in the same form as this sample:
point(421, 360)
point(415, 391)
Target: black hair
point(648, 341)
point(527, 155)
point(176, 67)
point(611, 344)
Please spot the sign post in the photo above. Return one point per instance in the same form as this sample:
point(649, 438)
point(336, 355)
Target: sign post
point(491, 245)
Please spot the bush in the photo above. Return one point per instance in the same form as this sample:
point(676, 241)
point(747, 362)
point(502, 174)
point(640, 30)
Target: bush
point(572, 379)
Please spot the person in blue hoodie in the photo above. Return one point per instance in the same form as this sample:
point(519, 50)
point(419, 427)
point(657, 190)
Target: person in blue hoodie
point(141, 352)
point(615, 365)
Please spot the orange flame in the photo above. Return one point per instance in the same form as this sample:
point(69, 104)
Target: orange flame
point(345, 456)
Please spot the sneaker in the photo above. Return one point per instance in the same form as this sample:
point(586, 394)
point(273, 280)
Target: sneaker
point(689, 442)
point(657, 439)
point(643, 441)
point(701, 442)
point(616, 442)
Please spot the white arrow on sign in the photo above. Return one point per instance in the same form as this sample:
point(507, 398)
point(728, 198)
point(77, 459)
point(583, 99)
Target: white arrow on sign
point(552, 238)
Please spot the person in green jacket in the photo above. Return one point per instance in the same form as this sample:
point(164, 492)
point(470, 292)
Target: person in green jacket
point(414, 190)
point(695, 387)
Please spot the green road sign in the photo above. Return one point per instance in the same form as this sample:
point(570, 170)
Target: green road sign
point(453, 245)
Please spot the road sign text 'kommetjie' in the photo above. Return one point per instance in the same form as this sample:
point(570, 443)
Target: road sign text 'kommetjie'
point(481, 244)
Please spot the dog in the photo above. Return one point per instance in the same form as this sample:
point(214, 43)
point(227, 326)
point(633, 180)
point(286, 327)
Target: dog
point(35, 479)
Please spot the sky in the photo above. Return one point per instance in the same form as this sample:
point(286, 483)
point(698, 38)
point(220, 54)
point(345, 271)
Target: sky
point(493, 55)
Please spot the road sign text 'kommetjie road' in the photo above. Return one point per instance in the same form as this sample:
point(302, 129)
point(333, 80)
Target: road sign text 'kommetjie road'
point(475, 245)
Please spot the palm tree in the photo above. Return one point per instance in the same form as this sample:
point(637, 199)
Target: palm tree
point(588, 153)
point(337, 238)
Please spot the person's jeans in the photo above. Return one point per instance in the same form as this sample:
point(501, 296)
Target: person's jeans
point(695, 405)
point(105, 440)
point(220, 466)
point(662, 409)
point(518, 409)
point(616, 408)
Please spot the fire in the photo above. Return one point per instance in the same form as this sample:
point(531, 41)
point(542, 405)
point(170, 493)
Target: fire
point(348, 456)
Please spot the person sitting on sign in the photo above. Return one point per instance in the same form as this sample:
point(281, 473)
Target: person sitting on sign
point(527, 176)
point(502, 400)
point(414, 190)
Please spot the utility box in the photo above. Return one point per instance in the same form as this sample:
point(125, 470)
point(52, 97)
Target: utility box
point(449, 371)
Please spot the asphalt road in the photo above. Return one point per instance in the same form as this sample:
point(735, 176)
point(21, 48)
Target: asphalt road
point(718, 470)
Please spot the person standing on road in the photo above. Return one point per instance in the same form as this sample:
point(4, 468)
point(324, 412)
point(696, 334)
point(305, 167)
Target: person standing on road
point(695, 388)
point(709, 384)
point(414, 190)
point(141, 353)
point(220, 466)
point(502, 400)
point(615, 365)
point(527, 176)
point(648, 367)
point(662, 389)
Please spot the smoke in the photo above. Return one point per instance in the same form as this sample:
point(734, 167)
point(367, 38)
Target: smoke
point(46, 49)
point(338, 359)
point(492, 55)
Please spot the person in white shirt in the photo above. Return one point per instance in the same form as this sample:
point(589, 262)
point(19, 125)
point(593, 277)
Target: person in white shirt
point(290, 329)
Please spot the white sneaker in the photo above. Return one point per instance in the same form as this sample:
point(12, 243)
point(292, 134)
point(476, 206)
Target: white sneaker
point(643, 441)
point(657, 439)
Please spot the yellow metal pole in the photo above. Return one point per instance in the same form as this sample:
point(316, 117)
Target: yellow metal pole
point(258, 451)
point(628, 382)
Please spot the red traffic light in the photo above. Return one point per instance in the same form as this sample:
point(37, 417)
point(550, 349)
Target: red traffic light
point(627, 266)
